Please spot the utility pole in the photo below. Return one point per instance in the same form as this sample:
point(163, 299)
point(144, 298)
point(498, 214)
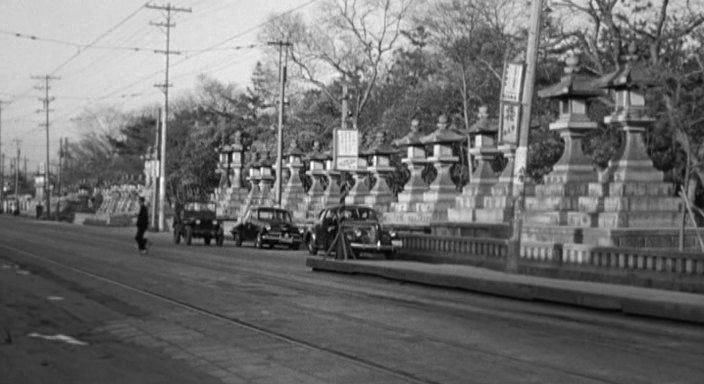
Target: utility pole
point(17, 173)
point(156, 172)
point(2, 162)
point(61, 158)
point(167, 25)
point(46, 101)
point(521, 162)
point(25, 168)
point(283, 58)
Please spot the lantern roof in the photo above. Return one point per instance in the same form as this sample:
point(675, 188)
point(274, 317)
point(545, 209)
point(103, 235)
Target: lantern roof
point(412, 138)
point(485, 125)
point(294, 150)
point(316, 153)
point(267, 161)
point(578, 82)
point(442, 134)
point(631, 74)
point(380, 146)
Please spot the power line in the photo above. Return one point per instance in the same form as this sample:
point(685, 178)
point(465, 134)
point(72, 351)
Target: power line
point(95, 41)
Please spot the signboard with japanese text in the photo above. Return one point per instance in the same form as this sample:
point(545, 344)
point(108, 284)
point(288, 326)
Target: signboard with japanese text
point(510, 113)
point(347, 147)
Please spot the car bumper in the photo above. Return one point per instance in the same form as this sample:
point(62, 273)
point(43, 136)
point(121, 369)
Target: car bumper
point(282, 239)
point(376, 247)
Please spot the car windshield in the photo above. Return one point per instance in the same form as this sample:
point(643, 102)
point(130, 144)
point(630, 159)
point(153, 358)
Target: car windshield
point(200, 207)
point(358, 213)
point(274, 214)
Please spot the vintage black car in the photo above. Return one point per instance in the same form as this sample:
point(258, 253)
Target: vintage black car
point(197, 220)
point(267, 226)
point(362, 229)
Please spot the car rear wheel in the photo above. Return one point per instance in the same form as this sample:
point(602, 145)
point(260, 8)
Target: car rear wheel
point(238, 239)
point(177, 236)
point(189, 235)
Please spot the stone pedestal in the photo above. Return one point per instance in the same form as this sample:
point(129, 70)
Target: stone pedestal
point(360, 190)
point(312, 202)
point(497, 207)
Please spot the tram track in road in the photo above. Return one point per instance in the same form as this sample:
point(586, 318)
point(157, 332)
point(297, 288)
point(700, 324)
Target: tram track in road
point(239, 323)
point(216, 259)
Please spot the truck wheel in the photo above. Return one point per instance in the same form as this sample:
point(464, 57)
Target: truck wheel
point(189, 235)
point(259, 242)
point(220, 240)
point(177, 236)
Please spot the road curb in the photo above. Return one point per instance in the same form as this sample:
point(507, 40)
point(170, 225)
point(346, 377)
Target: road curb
point(527, 289)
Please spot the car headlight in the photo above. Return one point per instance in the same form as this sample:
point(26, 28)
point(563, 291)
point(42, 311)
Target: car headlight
point(392, 234)
point(197, 222)
point(357, 233)
point(301, 230)
point(267, 227)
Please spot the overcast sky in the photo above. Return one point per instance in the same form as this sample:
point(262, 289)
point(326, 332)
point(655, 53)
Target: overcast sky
point(115, 71)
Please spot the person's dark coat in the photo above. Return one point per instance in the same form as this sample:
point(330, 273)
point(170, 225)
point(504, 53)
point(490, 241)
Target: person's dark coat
point(143, 218)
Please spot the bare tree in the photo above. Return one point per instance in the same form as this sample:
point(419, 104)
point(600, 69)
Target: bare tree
point(349, 40)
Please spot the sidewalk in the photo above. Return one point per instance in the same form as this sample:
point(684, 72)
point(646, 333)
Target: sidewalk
point(632, 300)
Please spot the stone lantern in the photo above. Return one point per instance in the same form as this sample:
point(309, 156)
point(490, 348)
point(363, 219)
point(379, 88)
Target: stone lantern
point(442, 189)
point(312, 203)
point(415, 159)
point(293, 193)
point(266, 179)
point(572, 92)
point(254, 178)
point(629, 84)
point(484, 134)
point(380, 196)
point(631, 193)
point(556, 200)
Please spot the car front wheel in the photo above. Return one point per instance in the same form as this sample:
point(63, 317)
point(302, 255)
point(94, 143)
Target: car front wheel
point(238, 239)
point(177, 236)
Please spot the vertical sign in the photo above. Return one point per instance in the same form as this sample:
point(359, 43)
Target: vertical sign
point(347, 149)
point(511, 87)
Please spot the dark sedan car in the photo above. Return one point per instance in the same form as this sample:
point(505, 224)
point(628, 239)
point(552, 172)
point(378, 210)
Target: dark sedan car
point(267, 226)
point(197, 220)
point(362, 230)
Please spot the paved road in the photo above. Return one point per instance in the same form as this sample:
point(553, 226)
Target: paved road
point(241, 315)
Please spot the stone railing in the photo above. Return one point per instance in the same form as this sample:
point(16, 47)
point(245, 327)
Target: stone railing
point(661, 268)
point(490, 253)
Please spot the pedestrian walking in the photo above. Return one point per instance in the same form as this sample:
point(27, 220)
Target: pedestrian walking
point(142, 225)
